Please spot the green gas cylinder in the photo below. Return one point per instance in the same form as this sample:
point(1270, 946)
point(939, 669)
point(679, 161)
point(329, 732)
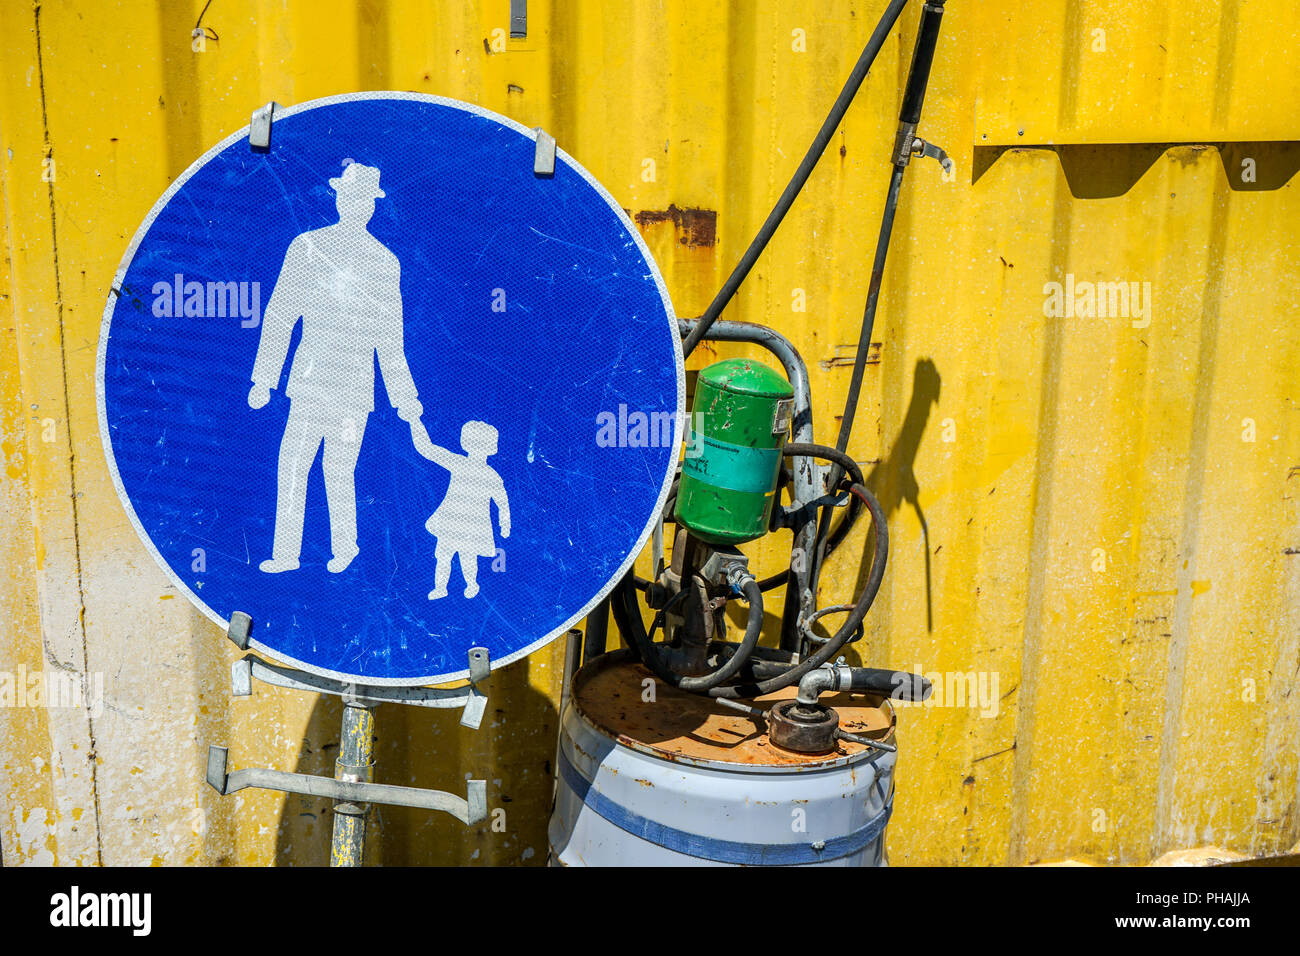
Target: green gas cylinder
point(739, 422)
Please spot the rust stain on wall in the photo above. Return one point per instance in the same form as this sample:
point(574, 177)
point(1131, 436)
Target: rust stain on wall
point(695, 228)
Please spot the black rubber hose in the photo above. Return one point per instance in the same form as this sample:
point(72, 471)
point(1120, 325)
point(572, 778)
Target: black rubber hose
point(663, 611)
point(845, 524)
point(623, 595)
point(770, 654)
point(801, 174)
point(826, 453)
point(869, 310)
point(900, 685)
point(918, 78)
point(927, 36)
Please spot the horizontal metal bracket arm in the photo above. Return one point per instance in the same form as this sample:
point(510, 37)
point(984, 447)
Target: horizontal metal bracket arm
point(468, 810)
point(268, 673)
point(250, 667)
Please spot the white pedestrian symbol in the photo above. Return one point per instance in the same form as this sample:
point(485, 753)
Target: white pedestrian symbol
point(345, 285)
point(462, 523)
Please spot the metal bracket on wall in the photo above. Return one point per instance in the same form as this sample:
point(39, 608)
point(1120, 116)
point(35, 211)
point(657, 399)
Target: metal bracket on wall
point(240, 629)
point(476, 701)
point(922, 148)
point(907, 144)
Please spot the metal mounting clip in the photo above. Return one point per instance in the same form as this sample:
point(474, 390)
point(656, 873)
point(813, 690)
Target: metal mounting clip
point(240, 629)
point(907, 144)
point(544, 155)
point(250, 667)
point(476, 702)
point(259, 131)
point(921, 148)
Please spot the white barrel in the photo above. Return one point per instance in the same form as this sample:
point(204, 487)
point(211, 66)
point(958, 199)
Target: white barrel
point(624, 798)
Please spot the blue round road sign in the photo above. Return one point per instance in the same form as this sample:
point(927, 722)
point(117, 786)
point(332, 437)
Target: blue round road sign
point(388, 391)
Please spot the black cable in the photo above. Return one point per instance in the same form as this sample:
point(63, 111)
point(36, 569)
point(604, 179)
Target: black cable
point(918, 77)
point(869, 312)
point(826, 453)
point(663, 611)
point(821, 547)
point(623, 615)
point(801, 174)
point(845, 524)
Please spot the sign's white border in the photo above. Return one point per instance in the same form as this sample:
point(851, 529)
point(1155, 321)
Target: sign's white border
point(560, 156)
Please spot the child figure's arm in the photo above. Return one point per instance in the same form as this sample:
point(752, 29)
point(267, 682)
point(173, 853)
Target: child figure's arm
point(423, 444)
point(503, 508)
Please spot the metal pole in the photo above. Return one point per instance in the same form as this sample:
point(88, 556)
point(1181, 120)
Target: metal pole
point(573, 656)
point(356, 763)
point(596, 640)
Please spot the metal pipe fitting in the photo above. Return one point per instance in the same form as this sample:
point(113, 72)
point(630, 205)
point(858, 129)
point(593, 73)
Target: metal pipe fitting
point(828, 677)
point(899, 685)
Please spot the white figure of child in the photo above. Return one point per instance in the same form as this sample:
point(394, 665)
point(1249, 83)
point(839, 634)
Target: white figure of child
point(462, 523)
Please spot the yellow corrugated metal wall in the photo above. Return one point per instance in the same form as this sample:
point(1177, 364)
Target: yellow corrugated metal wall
point(1099, 513)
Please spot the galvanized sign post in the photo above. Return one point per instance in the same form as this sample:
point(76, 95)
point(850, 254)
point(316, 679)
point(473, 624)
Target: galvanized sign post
point(391, 389)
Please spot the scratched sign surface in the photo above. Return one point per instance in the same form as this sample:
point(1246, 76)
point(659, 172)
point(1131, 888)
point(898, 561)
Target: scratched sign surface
point(387, 390)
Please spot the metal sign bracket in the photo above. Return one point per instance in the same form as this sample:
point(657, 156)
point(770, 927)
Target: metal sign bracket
point(351, 787)
point(259, 129)
point(544, 153)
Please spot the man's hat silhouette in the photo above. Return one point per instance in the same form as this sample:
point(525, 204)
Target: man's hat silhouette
point(358, 179)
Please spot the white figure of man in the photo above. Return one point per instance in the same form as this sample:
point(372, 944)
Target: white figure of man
point(345, 285)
